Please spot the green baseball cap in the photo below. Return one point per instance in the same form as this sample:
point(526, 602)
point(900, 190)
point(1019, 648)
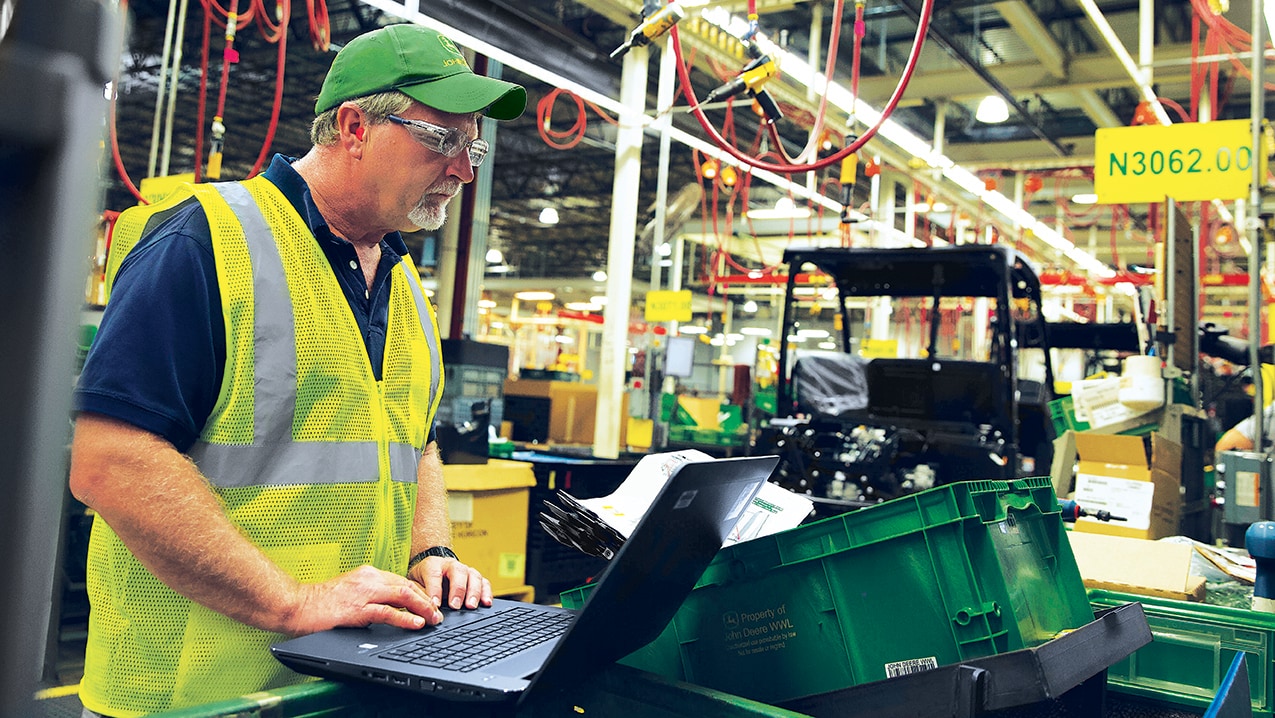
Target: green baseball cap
point(422, 64)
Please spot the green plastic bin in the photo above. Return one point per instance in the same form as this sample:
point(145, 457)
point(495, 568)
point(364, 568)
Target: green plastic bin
point(1193, 645)
point(1062, 412)
point(614, 691)
point(956, 572)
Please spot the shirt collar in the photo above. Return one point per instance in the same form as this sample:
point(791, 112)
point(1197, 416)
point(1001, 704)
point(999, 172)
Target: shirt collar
point(281, 174)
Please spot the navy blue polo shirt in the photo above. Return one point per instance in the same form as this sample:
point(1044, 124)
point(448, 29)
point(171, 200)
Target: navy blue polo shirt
point(158, 357)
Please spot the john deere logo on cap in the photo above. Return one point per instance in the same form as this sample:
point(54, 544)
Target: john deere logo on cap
point(447, 43)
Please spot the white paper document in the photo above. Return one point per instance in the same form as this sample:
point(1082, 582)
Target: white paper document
point(774, 509)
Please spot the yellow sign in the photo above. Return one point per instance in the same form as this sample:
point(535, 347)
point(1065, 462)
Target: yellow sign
point(666, 306)
point(879, 348)
point(1187, 162)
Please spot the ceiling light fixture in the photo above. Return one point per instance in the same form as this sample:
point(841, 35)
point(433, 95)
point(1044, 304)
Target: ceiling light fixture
point(664, 250)
point(534, 296)
point(992, 109)
point(692, 329)
point(750, 306)
point(494, 256)
point(600, 276)
point(755, 331)
point(1085, 198)
point(548, 215)
point(486, 304)
point(784, 208)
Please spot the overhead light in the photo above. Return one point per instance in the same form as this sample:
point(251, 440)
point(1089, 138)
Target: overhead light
point(827, 345)
point(784, 209)
point(583, 306)
point(564, 339)
point(548, 215)
point(494, 256)
point(992, 109)
point(812, 333)
point(755, 331)
point(750, 306)
point(692, 329)
point(938, 207)
point(666, 262)
point(534, 296)
point(755, 274)
point(1085, 198)
point(599, 300)
point(486, 304)
point(664, 250)
point(499, 269)
point(600, 276)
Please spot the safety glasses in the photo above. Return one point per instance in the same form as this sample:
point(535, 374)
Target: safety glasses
point(446, 141)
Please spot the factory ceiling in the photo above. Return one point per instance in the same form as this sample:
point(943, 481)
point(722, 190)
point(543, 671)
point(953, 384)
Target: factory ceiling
point(1048, 57)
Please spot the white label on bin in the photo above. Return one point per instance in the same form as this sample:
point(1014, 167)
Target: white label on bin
point(1129, 498)
point(460, 507)
point(1248, 490)
point(910, 666)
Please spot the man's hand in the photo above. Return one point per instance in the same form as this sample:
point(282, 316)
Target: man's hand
point(362, 597)
point(465, 586)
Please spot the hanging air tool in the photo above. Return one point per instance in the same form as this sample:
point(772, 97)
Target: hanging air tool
point(849, 171)
point(651, 28)
point(756, 73)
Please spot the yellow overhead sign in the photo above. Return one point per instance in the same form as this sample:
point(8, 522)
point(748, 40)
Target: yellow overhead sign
point(1187, 162)
point(666, 306)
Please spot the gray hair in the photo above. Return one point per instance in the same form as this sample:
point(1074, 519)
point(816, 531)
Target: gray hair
point(378, 107)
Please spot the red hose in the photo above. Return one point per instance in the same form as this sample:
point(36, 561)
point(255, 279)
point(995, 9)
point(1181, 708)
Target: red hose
point(688, 90)
point(114, 137)
point(278, 92)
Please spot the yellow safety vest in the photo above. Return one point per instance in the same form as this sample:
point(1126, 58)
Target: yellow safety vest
point(312, 458)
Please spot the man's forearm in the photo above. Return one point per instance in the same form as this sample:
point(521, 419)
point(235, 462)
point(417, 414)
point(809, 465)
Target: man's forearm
point(159, 505)
point(432, 526)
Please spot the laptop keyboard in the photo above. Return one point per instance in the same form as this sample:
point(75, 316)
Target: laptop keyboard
point(477, 644)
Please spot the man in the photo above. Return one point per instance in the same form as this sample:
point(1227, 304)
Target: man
point(1241, 436)
point(254, 427)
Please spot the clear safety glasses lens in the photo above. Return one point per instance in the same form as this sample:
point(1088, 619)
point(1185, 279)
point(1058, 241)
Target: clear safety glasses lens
point(447, 141)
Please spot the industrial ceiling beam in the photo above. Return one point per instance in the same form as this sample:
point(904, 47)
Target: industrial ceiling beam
point(962, 56)
point(1094, 71)
point(1027, 24)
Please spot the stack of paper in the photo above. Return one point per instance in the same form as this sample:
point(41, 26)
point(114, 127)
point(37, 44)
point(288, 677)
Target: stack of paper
point(600, 525)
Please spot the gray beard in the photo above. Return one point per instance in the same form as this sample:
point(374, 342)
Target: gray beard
point(431, 218)
point(426, 217)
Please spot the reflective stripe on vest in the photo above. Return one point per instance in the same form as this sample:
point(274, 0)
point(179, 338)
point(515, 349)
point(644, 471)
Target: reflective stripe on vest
point(435, 357)
point(275, 460)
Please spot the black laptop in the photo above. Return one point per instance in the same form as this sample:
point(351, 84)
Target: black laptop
point(511, 649)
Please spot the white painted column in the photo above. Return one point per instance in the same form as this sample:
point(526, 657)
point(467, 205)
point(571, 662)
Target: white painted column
point(624, 202)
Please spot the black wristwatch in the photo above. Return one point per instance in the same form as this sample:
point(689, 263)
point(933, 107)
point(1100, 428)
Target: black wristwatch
point(432, 551)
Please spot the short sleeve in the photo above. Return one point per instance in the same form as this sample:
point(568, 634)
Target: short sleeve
point(157, 359)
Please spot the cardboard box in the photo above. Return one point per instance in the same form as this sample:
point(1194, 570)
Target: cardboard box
point(1136, 477)
point(488, 505)
point(1148, 568)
